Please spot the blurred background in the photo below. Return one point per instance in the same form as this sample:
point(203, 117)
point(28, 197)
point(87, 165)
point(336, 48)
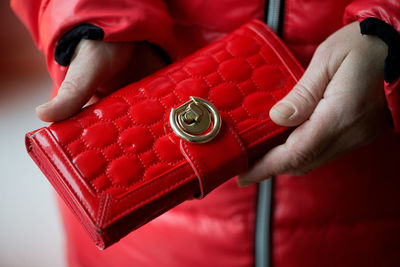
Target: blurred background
point(30, 226)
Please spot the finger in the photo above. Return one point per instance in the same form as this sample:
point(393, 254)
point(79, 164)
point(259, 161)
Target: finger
point(146, 61)
point(314, 142)
point(77, 87)
point(93, 63)
point(300, 102)
point(305, 143)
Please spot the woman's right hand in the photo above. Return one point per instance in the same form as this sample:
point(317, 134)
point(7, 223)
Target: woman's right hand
point(98, 68)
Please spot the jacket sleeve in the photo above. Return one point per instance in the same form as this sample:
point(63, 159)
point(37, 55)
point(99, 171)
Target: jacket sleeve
point(108, 20)
point(382, 18)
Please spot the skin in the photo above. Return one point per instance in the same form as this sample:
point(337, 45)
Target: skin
point(97, 69)
point(337, 106)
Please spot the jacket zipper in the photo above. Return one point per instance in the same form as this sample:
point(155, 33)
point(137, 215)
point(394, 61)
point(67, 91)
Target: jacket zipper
point(262, 258)
point(273, 15)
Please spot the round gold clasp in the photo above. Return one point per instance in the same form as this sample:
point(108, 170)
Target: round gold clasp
point(195, 121)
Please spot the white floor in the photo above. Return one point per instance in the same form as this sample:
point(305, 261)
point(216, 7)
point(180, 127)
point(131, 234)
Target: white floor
point(30, 226)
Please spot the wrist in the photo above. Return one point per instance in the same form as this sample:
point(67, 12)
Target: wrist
point(386, 33)
point(67, 44)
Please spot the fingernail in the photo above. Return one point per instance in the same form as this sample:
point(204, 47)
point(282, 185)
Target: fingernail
point(283, 109)
point(242, 182)
point(45, 105)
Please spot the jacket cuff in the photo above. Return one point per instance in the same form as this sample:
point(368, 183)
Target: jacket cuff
point(392, 93)
point(392, 38)
point(392, 63)
point(381, 18)
point(66, 45)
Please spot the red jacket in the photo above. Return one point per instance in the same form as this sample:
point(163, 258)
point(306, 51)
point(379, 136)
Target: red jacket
point(346, 213)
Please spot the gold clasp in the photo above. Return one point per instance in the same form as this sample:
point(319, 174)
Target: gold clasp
point(192, 120)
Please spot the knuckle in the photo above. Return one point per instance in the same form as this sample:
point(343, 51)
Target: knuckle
point(324, 48)
point(299, 158)
point(300, 172)
point(366, 135)
point(72, 88)
point(263, 170)
point(69, 85)
point(304, 94)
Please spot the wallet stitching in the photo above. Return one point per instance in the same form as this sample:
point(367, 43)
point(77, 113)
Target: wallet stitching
point(122, 149)
point(153, 196)
point(57, 150)
point(197, 77)
point(263, 137)
point(122, 96)
point(151, 182)
point(65, 195)
point(117, 142)
point(210, 87)
point(107, 201)
point(274, 49)
point(145, 183)
point(135, 183)
point(62, 157)
point(250, 78)
point(105, 209)
point(99, 209)
point(239, 141)
point(88, 148)
point(148, 199)
point(142, 188)
point(194, 161)
point(198, 169)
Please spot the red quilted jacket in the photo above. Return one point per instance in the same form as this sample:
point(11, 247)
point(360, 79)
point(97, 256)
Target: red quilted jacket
point(346, 213)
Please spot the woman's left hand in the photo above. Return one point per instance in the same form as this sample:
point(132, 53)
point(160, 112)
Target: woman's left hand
point(338, 105)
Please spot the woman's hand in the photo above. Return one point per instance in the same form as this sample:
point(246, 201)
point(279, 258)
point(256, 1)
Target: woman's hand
point(338, 105)
point(98, 68)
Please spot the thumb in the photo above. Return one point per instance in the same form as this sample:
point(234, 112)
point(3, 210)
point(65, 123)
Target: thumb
point(298, 105)
point(93, 63)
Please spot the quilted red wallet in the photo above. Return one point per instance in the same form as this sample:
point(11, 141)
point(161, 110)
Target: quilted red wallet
point(174, 135)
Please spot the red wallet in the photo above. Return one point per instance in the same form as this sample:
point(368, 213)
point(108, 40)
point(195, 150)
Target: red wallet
point(174, 135)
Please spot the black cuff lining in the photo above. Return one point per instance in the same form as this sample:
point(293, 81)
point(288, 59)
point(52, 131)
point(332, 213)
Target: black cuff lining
point(392, 38)
point(67, 44)
point(161, 53)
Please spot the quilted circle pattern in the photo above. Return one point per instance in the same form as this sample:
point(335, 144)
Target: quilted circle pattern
point(126, 170)
point(257, 104)
point(167, 150)
point(67, 132)
point(190, 87)
point(226, 96)
point(111, 109)
point(148, 111)
point(92, 137)
point(136, 139)
point(242, 46)
point(274, 82)
point(202, 66)
point(101, 183)
point(159, 87)
point(156, 170)
point(125, 139)
point(90, 163)
point(236, 70)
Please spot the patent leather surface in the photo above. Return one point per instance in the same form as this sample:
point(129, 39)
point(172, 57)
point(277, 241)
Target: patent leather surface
point(345, 214)
point(117, 164)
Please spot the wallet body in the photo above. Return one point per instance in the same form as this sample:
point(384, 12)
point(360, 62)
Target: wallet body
point(118, 164)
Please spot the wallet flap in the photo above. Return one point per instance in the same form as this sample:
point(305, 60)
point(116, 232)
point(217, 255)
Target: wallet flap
point(225, 156)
